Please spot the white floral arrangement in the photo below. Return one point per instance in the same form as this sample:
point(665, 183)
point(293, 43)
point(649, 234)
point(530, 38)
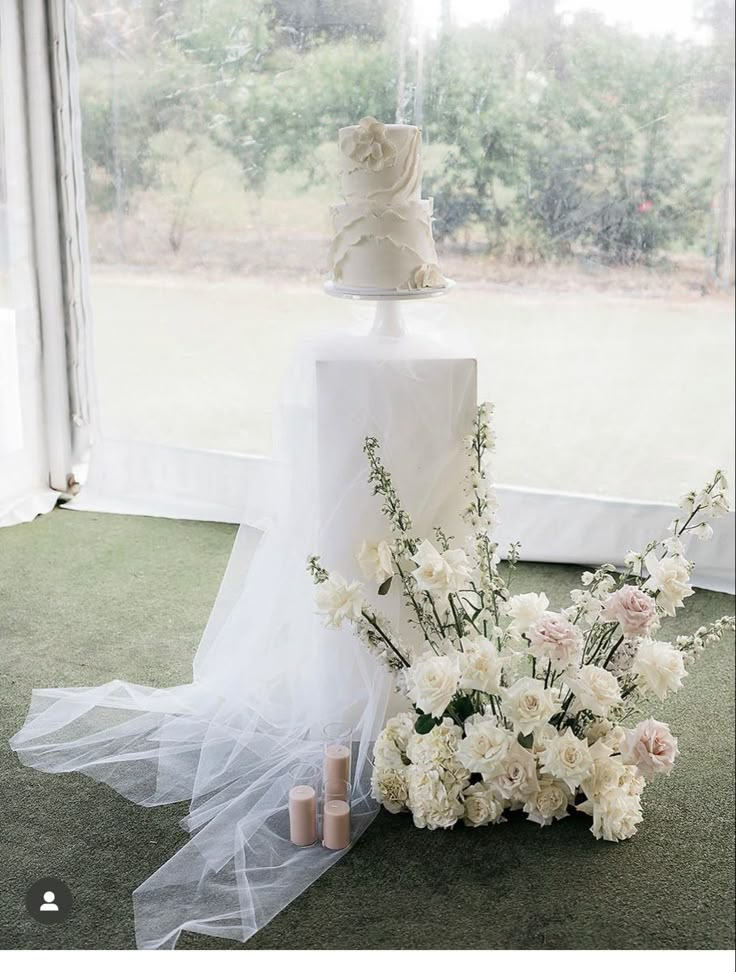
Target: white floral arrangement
point(516, 706)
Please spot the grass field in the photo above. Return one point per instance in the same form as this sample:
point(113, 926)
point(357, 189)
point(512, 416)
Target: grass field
point(596, 392)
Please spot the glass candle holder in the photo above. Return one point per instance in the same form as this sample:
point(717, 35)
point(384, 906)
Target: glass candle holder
point(338, 751)
point(304, 784)
point(335, 815)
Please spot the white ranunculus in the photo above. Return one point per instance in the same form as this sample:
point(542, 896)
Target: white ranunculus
point(525, 609)
point(339, 601)
point(482, 806)
point(433, 804)
point(432, 682)
point(549, 803)
point(669, 580)
point(390, 788)
point(440, 573)
point(528, 704)
point(567, 758)
point(595, 689)
point(615, 814)
point(659, 667)
point(436, 747)
point(376, 560)
point(485, 746)
point(517, 780)
point(481, 667)
point(651, 747)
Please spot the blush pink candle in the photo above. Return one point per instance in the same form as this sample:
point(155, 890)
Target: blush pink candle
point(303, 815)
point(338, 749)
point(335, 824)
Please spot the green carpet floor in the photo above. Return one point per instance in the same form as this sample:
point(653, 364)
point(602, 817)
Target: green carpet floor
point(85, 598)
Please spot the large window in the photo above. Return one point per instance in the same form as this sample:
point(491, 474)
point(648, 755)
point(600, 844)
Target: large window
point(580, 169)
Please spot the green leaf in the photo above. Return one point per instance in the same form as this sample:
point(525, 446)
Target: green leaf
point(425, 724)
point(385, 587)
point(463, 707)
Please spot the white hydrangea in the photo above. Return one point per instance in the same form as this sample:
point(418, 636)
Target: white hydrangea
point(434, 804)
point(436, 747)
point(390, 746)
point(389, 787)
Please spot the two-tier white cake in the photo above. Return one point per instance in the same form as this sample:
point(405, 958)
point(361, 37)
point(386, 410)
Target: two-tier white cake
point(383, 231)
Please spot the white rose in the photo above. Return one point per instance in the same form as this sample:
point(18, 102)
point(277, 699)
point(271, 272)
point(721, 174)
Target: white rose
point(651, 747)
point(659, 667)
point(528, 704)
point(549, 803)
point(616, 815)
point(485, 746)
point(440, 573)
point(376, 560)
point(436, 747)
point(567, 758)
point(481, 667)
point(389, 788)
point(431, 802)
point(339, 600)
point(517, 779)
point(432, 682)
point(525, 609)
point(595, 689)
point(481, 806)
point(669, 579)
point(609, 772)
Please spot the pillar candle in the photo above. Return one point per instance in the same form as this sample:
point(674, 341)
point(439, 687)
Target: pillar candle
point(336, 824)
point(337, 762)
point(303, 815)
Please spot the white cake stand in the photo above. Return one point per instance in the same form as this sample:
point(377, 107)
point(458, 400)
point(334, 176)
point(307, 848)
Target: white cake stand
point(388, 320)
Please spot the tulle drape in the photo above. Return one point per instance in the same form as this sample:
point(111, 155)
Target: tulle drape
point(268, 676)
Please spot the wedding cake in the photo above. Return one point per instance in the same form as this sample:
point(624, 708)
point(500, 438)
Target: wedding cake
point(383, 231)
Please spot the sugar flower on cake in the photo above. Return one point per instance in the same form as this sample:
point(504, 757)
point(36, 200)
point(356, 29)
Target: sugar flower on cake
point(633, 609)
point(432, 682)
point(669, 579)
point(376, 560)
point(368, 145)
point(528, 704)
point(481, 806)
point(651, 747)
point(549, 802)
point(339, 601)
point(440, 573)
point(556, 639)
point(659, 667)
point(428, 275)
point(567, 758)
point(595, 689)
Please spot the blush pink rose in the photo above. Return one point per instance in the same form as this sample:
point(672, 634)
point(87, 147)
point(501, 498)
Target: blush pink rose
point(633, 609)
point(556, 638)
point(651, 747)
